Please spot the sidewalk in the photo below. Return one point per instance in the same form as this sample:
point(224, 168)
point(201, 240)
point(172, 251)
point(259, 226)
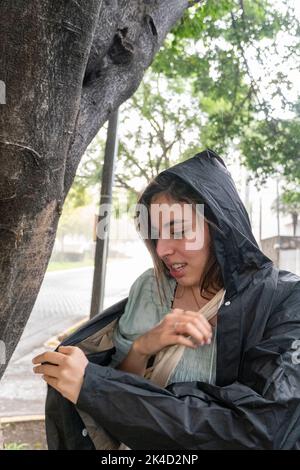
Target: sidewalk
point(64, 299)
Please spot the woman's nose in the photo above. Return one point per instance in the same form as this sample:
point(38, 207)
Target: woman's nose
point(164, 247)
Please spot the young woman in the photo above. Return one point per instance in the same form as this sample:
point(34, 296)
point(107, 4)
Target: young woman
point(204, 353)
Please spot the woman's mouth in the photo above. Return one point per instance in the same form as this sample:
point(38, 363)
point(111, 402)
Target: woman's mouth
point(177, 269)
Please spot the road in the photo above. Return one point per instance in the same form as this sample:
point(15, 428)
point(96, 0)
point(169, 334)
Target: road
point(63, 300)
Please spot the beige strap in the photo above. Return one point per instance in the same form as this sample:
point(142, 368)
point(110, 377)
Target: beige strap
point(167, 359)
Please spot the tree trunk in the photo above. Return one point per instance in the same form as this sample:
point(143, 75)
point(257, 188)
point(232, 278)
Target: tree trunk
point(66, 66)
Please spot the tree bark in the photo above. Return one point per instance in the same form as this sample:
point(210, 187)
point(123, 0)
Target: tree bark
point(66, 66)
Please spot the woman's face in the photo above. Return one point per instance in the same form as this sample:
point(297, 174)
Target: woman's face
point(183, 238)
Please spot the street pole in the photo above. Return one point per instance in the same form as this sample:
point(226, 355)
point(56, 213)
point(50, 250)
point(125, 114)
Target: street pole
point(278, 221)
point(260, 220)
point(277, 207)
point(102, 239)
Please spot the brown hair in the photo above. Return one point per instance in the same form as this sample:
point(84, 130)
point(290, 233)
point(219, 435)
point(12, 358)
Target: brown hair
point(180, 191)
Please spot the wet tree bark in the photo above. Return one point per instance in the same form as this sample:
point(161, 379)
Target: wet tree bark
point(66, 66)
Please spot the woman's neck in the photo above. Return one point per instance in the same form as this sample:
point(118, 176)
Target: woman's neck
point(190, 298)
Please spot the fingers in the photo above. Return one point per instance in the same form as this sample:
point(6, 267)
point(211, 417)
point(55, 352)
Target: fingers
point(184, 341)
point(67, 349)
point(51, 381)
point(194, 324)
point(46, 369)
point(55, 357)
point(200, 317)
point(195, 330)
point(49, 356)
point(190, 313)
point(202, 324)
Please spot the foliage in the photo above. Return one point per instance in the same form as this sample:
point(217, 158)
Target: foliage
point(222, 80)
point(78, 211)
point(161, 124)
point(238, 55)
point(271, 147)
point(65, 265)
point(89, 173)
point(289, 204)
point(76, 220)
point(15, 446)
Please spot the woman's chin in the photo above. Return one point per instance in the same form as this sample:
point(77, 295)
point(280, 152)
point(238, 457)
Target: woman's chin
point(187, 281)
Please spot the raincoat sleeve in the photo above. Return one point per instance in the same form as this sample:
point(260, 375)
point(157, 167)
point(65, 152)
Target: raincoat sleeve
point(261, 410)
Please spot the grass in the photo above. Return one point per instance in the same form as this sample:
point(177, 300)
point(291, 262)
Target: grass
point(15, 446)
point(23, 435)
point(62, 265)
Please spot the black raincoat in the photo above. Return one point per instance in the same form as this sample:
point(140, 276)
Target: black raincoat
point(255, 403)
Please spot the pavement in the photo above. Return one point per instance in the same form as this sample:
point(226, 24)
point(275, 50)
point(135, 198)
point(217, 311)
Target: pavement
point(64, 299)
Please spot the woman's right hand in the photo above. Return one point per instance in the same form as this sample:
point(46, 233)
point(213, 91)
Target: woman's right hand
point(183, 327)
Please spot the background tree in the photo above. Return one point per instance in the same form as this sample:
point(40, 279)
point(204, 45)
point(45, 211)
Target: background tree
point(67, 66)
point(289, 204)
point(271, 147)
point(242, 58)
point(88, 178)
point(232, 63)
point(161, 124)
point(77, 216)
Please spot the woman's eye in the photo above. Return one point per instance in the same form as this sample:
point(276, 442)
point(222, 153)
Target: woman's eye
point(178, 234)
point(182, 233)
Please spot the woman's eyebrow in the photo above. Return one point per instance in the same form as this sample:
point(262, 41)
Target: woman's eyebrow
point(177, 221)
point(172, 223)
point(166, 224)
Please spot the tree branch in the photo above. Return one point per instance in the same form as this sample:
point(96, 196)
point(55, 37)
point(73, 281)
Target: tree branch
point(115, 82)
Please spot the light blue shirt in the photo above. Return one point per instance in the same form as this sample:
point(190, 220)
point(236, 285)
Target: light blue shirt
point(142, 312)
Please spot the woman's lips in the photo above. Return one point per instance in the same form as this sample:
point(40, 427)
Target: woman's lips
point(179, 272)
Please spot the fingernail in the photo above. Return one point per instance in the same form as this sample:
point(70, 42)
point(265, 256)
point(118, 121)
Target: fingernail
point(208, 341)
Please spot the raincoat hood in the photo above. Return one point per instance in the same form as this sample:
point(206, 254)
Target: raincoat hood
point(236, 249)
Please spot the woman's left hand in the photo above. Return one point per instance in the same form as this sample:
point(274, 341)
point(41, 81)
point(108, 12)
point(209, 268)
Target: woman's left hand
point(65, 372)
